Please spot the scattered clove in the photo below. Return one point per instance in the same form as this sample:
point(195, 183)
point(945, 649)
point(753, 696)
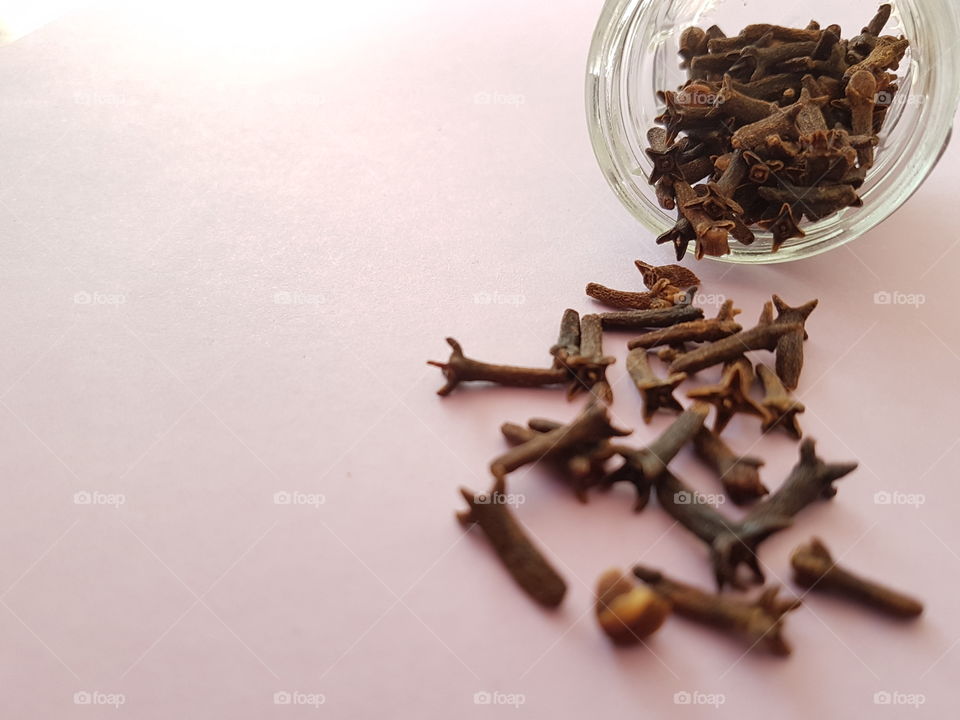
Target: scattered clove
point(627, 612)
point(657, 394)
point(658, 297)
point(642, 319)
point(740, 474)
point(591, 426)
point(789, 348)
point(583, 465)
point(642, 468)
point(759, 621)
point(764, 336)
point(676, 275)
point(781, 409)
point(522, 558)
point(460, 368)
point(815, 569)
point(589, 366)
point(732, 395)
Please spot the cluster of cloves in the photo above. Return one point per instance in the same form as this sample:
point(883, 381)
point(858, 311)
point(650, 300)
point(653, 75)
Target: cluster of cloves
point(589, 453)
point(772, 125)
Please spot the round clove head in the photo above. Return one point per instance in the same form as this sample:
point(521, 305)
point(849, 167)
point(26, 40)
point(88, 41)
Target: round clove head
point(628, 612)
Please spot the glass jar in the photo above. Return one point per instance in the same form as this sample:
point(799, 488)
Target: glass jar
point(635, 53)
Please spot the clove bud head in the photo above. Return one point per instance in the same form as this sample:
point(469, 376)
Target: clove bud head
point(628, 612)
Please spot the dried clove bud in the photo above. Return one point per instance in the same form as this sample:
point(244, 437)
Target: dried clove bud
point(760, 622)
point(790, 346)
point(460, 368)
point(740, 474)
point(583, 466)
point(656, 394)
point(695, 331)
point(815, 569)
point(589, 367)
point(732, 395)
point(886, 55)
point(764, 336)
point(513, 546)
point(676, 275)
point(734, 543)
point(642, 319)
point(783, 227)
point(657, 298)
point(568, 341)
point(711, 233)
point(643, 468)
point(862, 98)
point(781, 409)
point(628, 612)
point(782, 123)
point(590, 427)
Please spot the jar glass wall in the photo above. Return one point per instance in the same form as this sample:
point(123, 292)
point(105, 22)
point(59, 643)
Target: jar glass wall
point(635, 53)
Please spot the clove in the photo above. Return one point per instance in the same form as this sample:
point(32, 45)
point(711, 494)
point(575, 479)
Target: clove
point(641, 319)
point(781, 409)
point(731, 395)
point(523, 560)
point(628, 612)
point(590, 427)
point(583, 465)
point(789, 347)
point(815, 569)
point(657, 298)
point(862, 97)
point(589, 367)
point(740, 474)
point(643, 468)
point(764, 336)
point(460, 368)
point(759, 621)
point(568, 341)
point(676, 275)
point(656, 394)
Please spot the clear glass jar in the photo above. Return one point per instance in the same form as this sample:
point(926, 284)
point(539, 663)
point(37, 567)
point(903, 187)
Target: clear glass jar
point(635, 53)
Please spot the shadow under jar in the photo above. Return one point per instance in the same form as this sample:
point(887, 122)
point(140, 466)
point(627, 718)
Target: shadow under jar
point(635, 54)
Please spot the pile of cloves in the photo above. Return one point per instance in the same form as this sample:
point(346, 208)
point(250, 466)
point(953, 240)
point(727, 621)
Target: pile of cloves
point(772, 125)
point(590, 453)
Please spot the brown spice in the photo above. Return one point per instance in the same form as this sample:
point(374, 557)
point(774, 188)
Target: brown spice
point(460, 368)
point(513, 546)
point(628, 613)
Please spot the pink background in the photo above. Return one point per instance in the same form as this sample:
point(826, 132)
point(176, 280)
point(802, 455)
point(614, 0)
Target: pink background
point(230, 244)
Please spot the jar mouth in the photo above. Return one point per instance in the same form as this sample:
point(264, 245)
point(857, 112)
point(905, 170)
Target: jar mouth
point(634, 54)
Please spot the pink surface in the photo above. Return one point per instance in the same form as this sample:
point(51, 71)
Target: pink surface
point(225, 261)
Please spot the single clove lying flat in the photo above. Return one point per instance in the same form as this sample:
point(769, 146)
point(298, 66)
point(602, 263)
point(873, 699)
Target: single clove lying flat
point(739, 474)
point(815, 569)
point(628, 612)
point(460, 368)
point(780, 407)
point(642, 319)
point(694, 331)
point(759, 622)
point(513, 546)
point(661, 295)
point(590, 427)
